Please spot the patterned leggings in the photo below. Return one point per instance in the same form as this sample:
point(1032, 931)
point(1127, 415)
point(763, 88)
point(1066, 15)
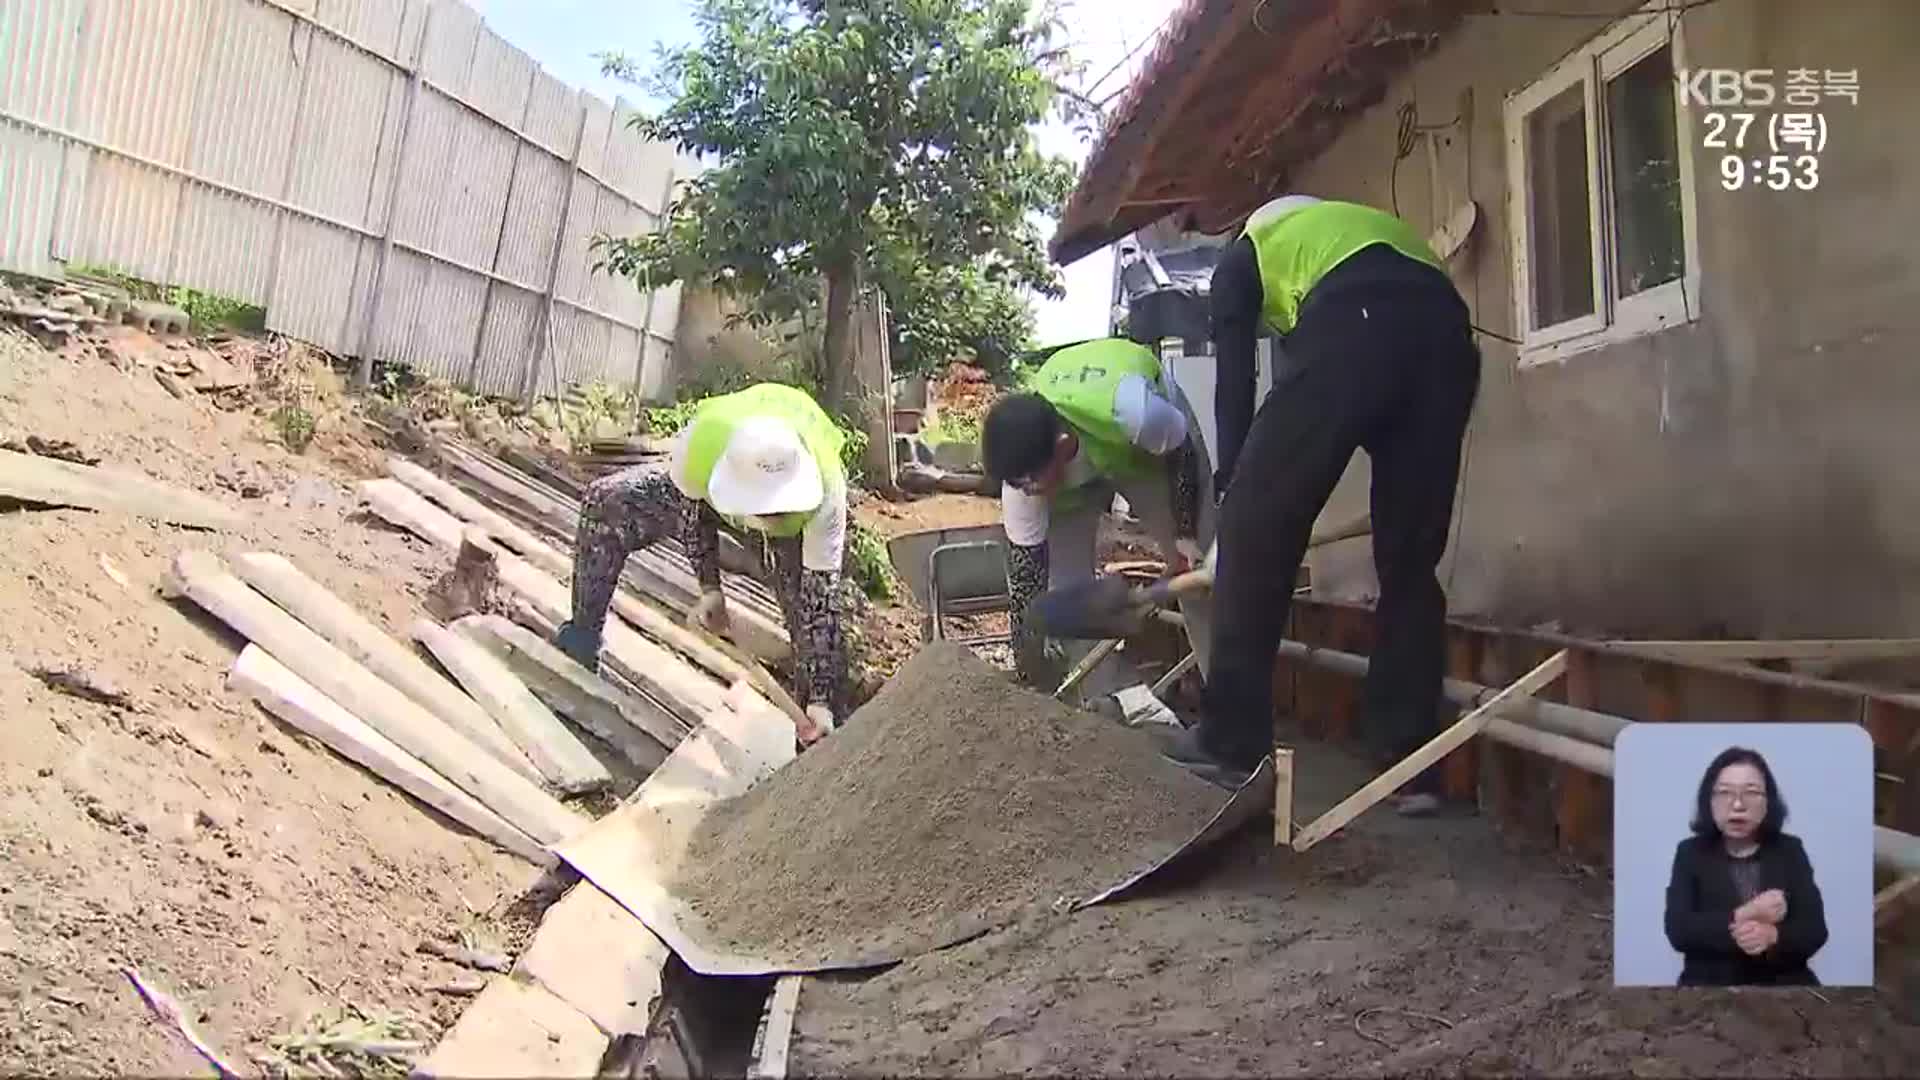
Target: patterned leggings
point(627, 510)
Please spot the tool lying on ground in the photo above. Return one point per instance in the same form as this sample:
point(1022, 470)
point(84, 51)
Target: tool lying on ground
point(1110, 606)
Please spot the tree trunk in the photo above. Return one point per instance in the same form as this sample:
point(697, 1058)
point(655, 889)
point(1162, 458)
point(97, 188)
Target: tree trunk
point(836, 352)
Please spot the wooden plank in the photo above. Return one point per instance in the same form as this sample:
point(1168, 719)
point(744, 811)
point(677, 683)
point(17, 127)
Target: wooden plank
point(670, 580)
point(545, 557)
point(1462, 767)
point(551, 509)
point(516, 1029)
point(202, 578)
point(1184, 665)
point(1663, 693)
point(296, 701)
point(1345, 694)
point(760, 633)
point(757, 677)
point(682, 689)
point(1888, 902)
point(51, 482)
point(1282, 796)
point(1581, 807)
point(400, 505)
point(474, 512)
point(640, 730)
point(1847, 649)
point(1436, 748)
point(560, 756)
point(675, 683)
point(352, 633)
point(774, 1040)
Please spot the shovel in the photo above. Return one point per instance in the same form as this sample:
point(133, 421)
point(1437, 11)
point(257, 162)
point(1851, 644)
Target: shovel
point(758, 677)
point(1112, 607)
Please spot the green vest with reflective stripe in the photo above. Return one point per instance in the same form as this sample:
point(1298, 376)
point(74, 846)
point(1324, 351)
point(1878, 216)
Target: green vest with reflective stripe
point(1297, 250)
point(1081, 381)
point(716, 418)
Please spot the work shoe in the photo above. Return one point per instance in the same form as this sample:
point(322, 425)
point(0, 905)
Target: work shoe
point(579, 644)
point(1182, 746)
point(1417, 804)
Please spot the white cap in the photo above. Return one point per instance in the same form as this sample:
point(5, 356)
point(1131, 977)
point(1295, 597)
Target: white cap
point(1279, 208)
point(765, 469)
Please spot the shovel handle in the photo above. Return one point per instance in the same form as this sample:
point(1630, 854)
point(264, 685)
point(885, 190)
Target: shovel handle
point(1202, 578)
point(758, 676)
point(1179, 585)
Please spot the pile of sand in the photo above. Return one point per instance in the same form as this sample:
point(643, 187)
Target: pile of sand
point(948, 804)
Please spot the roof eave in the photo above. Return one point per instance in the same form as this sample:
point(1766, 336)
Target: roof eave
point(1314, 65)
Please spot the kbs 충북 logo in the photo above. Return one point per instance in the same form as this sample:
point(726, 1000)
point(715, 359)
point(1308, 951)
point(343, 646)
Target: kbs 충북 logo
point(1794, 134)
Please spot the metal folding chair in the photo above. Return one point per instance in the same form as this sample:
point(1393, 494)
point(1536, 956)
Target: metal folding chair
point(968, 578)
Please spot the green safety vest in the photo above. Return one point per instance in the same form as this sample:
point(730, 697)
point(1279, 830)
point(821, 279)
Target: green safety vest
point(1297, 250)
point(716, 418)
point(1081, 382)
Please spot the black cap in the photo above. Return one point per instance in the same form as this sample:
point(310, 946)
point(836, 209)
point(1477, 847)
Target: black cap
point(1018, 436)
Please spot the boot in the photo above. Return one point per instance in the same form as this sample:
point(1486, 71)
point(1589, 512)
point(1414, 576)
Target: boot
point(1183, 747)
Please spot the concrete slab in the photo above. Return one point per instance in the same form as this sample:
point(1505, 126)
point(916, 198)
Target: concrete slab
point(517, 1029)
point(594, 955)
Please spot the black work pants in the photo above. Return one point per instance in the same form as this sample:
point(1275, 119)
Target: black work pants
point(1390, 366)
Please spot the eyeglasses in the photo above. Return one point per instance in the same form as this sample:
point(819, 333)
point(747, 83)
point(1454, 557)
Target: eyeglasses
point(1739, 796)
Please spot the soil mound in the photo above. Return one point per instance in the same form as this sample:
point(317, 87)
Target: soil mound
point(949, 804)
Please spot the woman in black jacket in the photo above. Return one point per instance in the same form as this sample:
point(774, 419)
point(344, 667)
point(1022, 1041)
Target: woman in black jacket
point(1742, 905)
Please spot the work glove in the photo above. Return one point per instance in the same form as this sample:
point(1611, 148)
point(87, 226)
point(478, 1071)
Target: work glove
point(710, 613)
point(578, 643)
point(820, 720)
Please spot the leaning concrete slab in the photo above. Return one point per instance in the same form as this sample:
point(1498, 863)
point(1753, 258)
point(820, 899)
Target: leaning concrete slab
point(640, 730)
point(594, 955)
point(516, 1029)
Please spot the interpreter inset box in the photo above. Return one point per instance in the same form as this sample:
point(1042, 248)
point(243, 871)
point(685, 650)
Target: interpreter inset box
point(1743, 855)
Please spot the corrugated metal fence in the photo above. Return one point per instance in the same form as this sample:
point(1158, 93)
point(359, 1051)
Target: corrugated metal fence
point(384, 177)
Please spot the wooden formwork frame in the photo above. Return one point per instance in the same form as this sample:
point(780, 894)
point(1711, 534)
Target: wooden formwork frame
point(1560, 806)
point(1380, 787)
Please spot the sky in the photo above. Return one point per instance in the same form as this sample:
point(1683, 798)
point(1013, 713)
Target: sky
point(1108, 35)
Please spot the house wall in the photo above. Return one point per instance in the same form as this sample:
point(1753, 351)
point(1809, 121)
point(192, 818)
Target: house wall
point(1752, 473)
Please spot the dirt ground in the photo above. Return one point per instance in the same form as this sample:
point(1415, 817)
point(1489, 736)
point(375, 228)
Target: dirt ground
point(248, 871)
point(1394, 948)
point(916, 513)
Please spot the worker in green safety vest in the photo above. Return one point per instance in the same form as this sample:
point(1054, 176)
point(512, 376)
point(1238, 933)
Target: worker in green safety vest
point(1381, 356)
point(763, 462)
point(1097, 418)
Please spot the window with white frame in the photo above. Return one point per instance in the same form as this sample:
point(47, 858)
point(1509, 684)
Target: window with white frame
point(1601, 178)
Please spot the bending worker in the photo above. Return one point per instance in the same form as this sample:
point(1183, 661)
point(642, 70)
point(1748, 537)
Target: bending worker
point(1097, 419)
point(766, 461)
point(1382, 357)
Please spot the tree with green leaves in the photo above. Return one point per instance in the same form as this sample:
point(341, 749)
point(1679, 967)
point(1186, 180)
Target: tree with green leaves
point(861, 143)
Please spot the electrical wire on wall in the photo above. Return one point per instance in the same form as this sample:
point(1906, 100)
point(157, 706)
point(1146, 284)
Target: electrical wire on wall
point(1408, 131)
point(1406, 137)
point(1466, 442)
